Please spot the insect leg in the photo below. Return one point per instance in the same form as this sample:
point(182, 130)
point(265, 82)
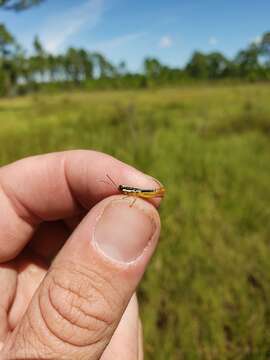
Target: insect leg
point(125, 197)
point(133, 202)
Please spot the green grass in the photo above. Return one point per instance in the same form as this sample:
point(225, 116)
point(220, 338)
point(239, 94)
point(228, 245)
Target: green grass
point(206, 294)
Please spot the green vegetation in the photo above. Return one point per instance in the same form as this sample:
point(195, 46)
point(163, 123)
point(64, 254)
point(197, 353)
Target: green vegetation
point(207, 292)
point(22, 73)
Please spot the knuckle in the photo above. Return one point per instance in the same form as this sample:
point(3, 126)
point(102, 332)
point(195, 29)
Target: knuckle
point(80, 306)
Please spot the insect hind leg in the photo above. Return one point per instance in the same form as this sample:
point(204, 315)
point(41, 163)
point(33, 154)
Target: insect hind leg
point(133, 201)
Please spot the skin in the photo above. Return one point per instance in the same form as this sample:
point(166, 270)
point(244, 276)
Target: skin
point(51, 269)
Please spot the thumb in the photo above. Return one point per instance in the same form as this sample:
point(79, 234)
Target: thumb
point(78, 306)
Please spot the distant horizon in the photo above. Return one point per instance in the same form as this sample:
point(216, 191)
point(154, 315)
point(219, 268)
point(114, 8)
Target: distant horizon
point(124, 31)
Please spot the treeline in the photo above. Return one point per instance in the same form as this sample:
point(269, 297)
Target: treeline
point(22, 73)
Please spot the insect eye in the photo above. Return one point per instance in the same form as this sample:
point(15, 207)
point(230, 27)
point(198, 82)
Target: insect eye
point(120, 187)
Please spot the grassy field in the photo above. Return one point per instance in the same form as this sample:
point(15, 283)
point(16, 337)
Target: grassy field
point(207, 292)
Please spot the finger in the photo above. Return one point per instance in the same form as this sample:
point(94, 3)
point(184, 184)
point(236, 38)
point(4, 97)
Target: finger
point(55, 186)
point(30, 273)
point(124, 343)
point(8, 281)
point(79, 304)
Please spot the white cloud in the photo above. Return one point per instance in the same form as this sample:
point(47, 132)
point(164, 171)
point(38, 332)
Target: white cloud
point(256, 40)
point(59, 28)
point(166, 42)
point(117, 41)
point(213, 41)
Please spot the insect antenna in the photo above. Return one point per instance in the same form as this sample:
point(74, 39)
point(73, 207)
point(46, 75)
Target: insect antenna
point(111, 182)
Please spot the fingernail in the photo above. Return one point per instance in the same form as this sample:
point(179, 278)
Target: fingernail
point(123, 232)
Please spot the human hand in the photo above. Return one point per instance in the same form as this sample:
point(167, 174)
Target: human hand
point(71, 256)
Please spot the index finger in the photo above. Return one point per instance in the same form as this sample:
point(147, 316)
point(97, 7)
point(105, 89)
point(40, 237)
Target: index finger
point(55, 186)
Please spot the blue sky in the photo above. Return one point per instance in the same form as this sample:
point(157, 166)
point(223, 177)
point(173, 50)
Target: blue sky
point(130, 30)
